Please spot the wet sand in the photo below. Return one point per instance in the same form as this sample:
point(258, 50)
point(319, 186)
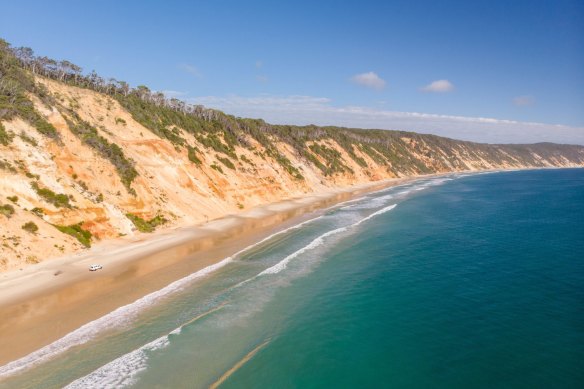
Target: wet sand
point(45, 302)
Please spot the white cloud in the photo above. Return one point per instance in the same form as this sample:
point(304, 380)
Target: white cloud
point(191, 70)
point(173, 93)
point(264, 104)
point(303, 110)
point(438, 86)
point(369, 80)
point(524, 101)
point(262, 78)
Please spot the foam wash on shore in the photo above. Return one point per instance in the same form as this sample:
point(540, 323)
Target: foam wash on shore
point(458, 281)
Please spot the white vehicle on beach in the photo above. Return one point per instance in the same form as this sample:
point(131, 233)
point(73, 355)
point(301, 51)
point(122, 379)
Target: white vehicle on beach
point(95, 267)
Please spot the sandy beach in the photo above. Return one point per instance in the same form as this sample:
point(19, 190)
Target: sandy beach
point(42, 303)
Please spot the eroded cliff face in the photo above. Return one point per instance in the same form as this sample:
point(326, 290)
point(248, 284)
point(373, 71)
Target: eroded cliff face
point(65, 187)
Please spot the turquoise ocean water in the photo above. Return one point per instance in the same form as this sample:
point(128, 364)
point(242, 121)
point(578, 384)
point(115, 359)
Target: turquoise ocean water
point(452, 282)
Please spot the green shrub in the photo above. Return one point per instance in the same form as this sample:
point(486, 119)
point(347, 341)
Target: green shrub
point(146, 225)
point(286, 164)
point(226, 161)
point(156, 119)
point(14, 199)
point(217, 167)
point(5, 137)
point(34, 176)
point(213, 141)
point(45, 127)
point(120, 121)
point(192, 153)
point(30, 227)
point(247, 160)
point(57, 199)
point(158, 220)
point(7, 210)
point(333, 158)
point(38, 211)
point(141, 224)
point(75, 230)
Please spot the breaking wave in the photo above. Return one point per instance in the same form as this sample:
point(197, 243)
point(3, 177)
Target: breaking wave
point(319, 241)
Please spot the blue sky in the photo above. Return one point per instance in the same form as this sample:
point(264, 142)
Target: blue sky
point(428, 66)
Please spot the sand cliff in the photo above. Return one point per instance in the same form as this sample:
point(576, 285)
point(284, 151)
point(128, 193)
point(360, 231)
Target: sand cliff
point(170, 185)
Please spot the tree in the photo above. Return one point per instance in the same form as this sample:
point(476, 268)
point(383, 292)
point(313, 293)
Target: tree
point(26, 57)
point(76, 70)
point(125, 88)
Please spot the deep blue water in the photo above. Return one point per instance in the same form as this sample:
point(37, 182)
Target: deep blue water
point(470, 281)
point(476, 283)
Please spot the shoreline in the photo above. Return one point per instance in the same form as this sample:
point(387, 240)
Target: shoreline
point(56, 305)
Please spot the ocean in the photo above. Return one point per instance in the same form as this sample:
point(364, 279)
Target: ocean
point(458, 281)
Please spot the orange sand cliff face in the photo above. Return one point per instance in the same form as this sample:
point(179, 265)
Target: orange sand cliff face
point(168, 183)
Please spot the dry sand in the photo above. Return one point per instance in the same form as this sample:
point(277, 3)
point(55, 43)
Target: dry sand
point(42, 303)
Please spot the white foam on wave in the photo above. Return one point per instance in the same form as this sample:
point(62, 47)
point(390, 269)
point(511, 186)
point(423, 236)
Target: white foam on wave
point(377, 213)
point(388, 189)
point(415, 188)
point(319, 241)
point(424, 185)
point(439, 181)
point(372, 203)
point(312, 245)
point(294, 227)
point(403, 192)
point(122, 315)
point(386, 197)
point(120, 372)
point(375, 202)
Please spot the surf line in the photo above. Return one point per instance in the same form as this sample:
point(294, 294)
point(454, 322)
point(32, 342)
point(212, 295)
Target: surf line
point(294, 227)
point(238, 365)
point(314, 244)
